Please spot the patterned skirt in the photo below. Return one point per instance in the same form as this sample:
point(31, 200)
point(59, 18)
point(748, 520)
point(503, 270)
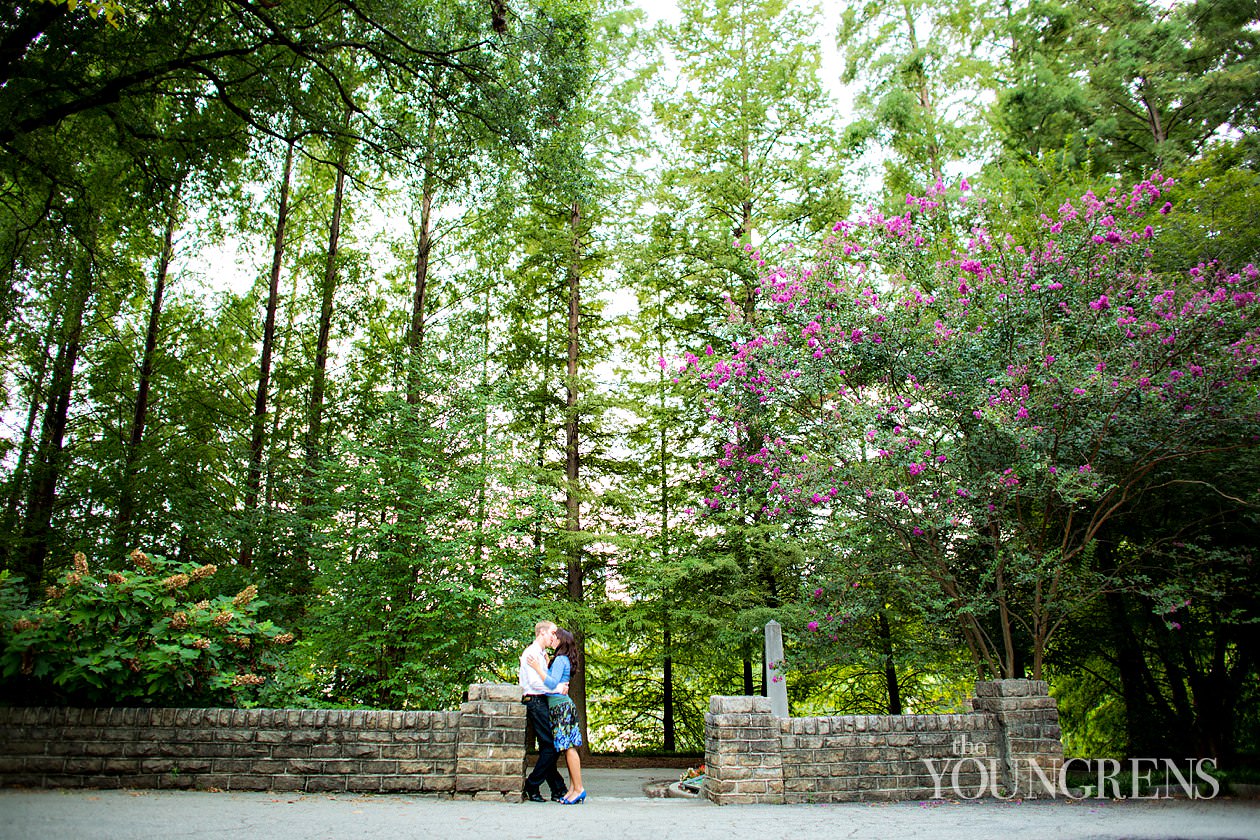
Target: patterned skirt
point(564, 722)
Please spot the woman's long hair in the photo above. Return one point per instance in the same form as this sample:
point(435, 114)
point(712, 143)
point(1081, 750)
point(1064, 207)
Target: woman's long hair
point(566, 645)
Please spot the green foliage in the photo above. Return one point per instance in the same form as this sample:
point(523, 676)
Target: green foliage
point(1091, 711)
point(157, 634)
point(111, 10)
point(921, 66)
point(1124, 86)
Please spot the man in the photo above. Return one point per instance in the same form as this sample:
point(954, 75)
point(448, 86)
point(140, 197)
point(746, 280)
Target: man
point(534, 694)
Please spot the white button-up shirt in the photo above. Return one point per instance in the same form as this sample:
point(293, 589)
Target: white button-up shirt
point(530, 682)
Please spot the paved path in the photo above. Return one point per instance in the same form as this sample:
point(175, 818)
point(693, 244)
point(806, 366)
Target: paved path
point(617, 809)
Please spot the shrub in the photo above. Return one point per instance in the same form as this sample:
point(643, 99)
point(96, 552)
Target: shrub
point(150, 635)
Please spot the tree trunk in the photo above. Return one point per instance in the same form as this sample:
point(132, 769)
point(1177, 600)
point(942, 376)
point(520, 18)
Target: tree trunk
point(1143, 720)
point(415, 335)
point(314, 434)
point(1004, 617)
point(545, 433)
point(667, 704)
point(18, 479)
point(572, 500)
point(924, 95)
point(668, 701)
point(253, 481)
point(890, 665)
point(483, 477)
point(140, 417)
point(424, 247)
point(46, 470)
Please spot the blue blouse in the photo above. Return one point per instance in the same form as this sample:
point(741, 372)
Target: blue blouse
point(557, 673)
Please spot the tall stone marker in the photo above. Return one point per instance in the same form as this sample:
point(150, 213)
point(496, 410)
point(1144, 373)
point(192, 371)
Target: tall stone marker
point(776, 670)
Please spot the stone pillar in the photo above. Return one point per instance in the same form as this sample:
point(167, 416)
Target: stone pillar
point(776, 670)
point(743, 752)
point(490, 755)
point(1031, 746)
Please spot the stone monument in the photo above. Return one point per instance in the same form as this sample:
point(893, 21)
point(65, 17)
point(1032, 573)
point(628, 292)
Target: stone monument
point(776, 670)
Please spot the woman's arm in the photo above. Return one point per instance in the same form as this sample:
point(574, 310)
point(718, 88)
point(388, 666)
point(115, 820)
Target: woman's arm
point(558, 674)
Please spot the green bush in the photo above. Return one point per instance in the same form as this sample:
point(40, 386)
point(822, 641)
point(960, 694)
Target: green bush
point(152, 635)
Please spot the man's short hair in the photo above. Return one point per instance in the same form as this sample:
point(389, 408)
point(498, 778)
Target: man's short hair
point(543, 626)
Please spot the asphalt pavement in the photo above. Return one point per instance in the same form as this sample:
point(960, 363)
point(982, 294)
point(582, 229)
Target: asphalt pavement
point(618, 807)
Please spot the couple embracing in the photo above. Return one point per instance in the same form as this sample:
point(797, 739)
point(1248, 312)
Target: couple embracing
point(545, 692)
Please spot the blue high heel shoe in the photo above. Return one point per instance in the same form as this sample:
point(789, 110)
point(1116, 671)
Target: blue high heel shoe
point(581, 797)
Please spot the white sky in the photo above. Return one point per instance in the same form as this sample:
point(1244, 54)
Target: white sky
point(660, 9)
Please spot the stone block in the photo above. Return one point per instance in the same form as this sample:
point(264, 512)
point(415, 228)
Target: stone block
point(339, 766)
point(288, 783)
point(740, 704)
point(52, 747)
point(1017, 688)
point(30, 780)
point(57, 780)
point(120, 766)
point(325, 784)
point(402, 784)
point(212, 781)
point(363, 784)
point(736, 720)
point(212, 750)
point(183, 751)
point(11, 764)
point(397, 751)
point(472, 767)
point(444, 783)
point(499, 692)
point(361, 751)
point(249, 751)
point(193, 765)
point(489, 714)
point(379, 767)
point(177, 781)
point(82, 766)
point(100, 748)
point(506, 781)
point(415, 767)
point(307, 736)
point(327, 750)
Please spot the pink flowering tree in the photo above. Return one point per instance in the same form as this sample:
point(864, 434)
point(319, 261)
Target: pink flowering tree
point(985, 406)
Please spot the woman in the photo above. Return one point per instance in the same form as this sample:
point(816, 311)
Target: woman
point(564, 720)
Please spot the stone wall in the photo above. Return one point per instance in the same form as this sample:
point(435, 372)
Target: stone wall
point(752, 756)
point(478, 751)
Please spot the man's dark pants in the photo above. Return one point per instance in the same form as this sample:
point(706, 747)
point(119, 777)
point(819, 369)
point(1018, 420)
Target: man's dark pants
point(539, 713)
